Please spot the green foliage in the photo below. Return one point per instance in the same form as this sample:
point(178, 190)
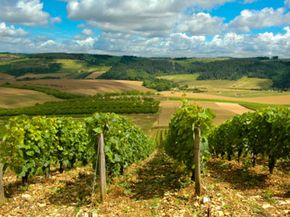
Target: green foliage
point(36, 66)
point(180, 139)
point(124, 142)
point(265, 132)
point(159, 84)
point(31, 145)
point(88, 105)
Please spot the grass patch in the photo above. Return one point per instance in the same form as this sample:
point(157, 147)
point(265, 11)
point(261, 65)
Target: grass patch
point(78, 66)
point(181, 78)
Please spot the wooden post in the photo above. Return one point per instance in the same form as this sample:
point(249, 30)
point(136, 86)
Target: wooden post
point(2, 197)
point(197, 160)
point(102, 167)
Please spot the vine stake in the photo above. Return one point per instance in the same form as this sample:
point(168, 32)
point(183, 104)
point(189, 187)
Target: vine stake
point(197, 160)
point(102, 167)
point(2, 198)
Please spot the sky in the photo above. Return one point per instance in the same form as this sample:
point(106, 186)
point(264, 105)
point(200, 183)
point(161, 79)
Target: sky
point(150, 28)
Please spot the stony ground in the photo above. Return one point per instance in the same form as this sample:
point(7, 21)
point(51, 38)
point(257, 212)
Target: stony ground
point(154, 187)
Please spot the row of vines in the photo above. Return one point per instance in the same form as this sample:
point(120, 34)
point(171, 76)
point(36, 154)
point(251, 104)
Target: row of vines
point(265, 133)
point(32, 146)
point(89, 105)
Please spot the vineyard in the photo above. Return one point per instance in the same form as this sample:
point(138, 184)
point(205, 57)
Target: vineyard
point(40, 146)
point(117, 103)
point(33, 145)
point(265, 133)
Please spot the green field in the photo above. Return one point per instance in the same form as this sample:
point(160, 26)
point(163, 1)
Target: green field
point(73, 66)
point(244, 87)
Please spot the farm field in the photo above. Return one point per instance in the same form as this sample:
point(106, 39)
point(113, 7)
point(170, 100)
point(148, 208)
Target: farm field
point(243, 88)
point(223, 111)
point(88, 87)
point(283, 99)
point(14, 98)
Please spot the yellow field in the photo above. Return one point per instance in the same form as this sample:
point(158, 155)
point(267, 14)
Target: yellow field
point(283, 99)
point(89, 87)
point(223, 111)
point(12, 98)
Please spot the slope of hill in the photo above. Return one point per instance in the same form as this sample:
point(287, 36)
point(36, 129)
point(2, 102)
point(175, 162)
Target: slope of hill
point(144, 69)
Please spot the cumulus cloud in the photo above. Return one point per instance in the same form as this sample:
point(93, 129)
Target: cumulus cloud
point(181, 44)
point(85, 43)
point(151, 17)
point(172, 45)
point(253, 19)
point(26, 12)
point(201, 24)
point(11, 31)
point(287, 3)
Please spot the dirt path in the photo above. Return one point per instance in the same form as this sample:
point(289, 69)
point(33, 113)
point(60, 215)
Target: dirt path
point(155, 187)
point(233, 107)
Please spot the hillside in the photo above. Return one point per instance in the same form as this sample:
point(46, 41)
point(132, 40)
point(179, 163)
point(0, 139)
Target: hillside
point(79, 66)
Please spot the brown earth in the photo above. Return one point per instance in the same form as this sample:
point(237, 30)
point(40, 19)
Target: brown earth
point(89, 87)
point(156, 186)
point(12, 97)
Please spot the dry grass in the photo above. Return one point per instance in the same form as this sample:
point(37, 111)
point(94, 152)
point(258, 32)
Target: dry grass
point(13, 98)
point(89, 87)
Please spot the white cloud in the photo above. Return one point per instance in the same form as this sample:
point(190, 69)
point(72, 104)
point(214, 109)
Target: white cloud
point(151, 17)
point(253, 19)
point(201, 24)
point(173, 45)
point(180, 44)
point(47, 44)
point(26, 12)
point(11, 31)
point(55, 20)
point(87, 32)
point(85, 43)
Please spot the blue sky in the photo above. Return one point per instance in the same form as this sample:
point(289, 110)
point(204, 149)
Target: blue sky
point(147, 27)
